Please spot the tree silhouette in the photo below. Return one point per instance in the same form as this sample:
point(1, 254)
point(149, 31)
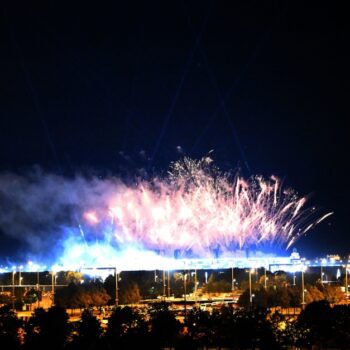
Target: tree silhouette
point(199, 325)
point(244, 299)
point(31, 296)
point(333, 294)
point(216, 285)
point(88, 332)
point(164, 326)
point(127, 329)
point(313, 294)
point(130, 293)
point(341, 315)
point(222, 326)
point(252, 329)
point(316, 324)
point(109, 285)
point(9, 327)
point(5, 299)
point(82, 295)
point(47, 329)
point(242, 329)
point(97, 293)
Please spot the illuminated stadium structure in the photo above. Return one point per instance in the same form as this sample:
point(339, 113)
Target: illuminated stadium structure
point(149, 262)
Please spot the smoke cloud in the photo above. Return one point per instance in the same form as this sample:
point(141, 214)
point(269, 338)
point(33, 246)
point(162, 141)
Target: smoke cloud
point(38, 208)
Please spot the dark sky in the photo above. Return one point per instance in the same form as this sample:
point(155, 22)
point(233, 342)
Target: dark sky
point(90, 85)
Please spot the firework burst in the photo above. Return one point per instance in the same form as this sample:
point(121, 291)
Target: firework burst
point(198, 209)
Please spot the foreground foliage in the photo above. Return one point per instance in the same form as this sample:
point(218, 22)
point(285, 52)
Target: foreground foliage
point(157, 327)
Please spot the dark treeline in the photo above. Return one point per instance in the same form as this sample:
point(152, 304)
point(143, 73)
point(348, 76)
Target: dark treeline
point(246, 326)
point(157, 327)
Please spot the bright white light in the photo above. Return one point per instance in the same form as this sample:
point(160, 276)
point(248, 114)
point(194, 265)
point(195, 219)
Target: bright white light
point(303, 268)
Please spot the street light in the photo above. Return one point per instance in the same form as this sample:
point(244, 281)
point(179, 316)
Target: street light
point(38, 283)
point(168, 284)
point(250, 287)
point(232, 280)
point(116, 287)
point(185, 292)
point(53, 279)
point(195, 285)
point(38, 278)
point(13, 287)
point(20, 278)
point(346, 283)
point(303, 269)
point(195, 282)
point(164, 286)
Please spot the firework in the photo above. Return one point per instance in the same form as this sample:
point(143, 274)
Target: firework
point(197, 209)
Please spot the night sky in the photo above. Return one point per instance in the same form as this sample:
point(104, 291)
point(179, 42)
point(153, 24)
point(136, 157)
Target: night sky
point(112, 89)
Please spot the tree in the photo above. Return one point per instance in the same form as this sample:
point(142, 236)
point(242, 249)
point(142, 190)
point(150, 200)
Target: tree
point(70, 297)
point(47, 329)
point(5, 299)
point(74, 277)
point(88, 332)
point(333, 294)
point(178, 285)
point(164, 326)
point(280, 280)
point(33, 328)
point(9, 326)
point(109, 285)
point(31, 296)
point(313, 294)
point(89, 326)
point(244, 299)
point(341, 314)
point(82, 295)
point(283, 297)
point(222, 326)
point(130, 293)
point(217, 286)
point(316, 324)
point(98, 294)
point(271, 297)
point(294, 296)
point(199, 326)
point(127, 329)
point(260, 298)
point(242, 329)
